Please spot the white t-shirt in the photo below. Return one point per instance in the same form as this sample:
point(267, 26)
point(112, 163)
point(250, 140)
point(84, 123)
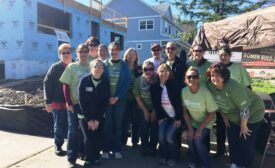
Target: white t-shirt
point(166, 104)
point(155, 62)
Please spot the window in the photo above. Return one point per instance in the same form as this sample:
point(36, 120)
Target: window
point(165, 26)
point(169, 29)
point(139, 46)
point(95, 29)
point(49, 19)
point(146, 24)
point(118, 38)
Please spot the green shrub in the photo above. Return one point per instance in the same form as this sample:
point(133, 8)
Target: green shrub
point(262, 85)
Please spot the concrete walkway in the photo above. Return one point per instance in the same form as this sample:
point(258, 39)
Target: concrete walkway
point(24, 151)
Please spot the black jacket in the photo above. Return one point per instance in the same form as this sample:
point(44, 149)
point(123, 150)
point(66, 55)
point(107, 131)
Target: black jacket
point(53, 88)
point(93, 100)
point(174, 91)
point(179, 68)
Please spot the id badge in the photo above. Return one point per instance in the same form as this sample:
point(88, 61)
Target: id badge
point(89, 89)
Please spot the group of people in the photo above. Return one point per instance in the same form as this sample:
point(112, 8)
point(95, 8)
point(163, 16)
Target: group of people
point(101, 97)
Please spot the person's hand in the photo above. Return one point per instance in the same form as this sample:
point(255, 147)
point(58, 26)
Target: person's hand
point(160, 121)
point(146, 115)
point(177, 123)
point(96, 124)
point(48, 108)
point(198, 133)
point(70, 108)
point(225, 120)
point(245, 131)
point(190, 134)
point(113, 100)
point(90, 125)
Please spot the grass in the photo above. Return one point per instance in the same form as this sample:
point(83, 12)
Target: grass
point(262, 85)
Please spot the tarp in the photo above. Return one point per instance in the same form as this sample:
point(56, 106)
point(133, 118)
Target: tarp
point(247, 31)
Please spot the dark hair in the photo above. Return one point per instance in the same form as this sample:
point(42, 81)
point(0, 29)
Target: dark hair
point(92, 41)
point(226, 49)
point(166, 67)
point(114, 44)
point(219, 68)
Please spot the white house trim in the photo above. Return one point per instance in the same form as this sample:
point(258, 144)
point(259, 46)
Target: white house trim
point(144, 41)
point(152, 19)
point(144, 17)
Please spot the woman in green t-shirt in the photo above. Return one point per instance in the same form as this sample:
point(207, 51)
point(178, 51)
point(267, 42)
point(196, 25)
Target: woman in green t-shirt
point(239, 73)
point(149, 126)
point(199, 114)
point(242, 112)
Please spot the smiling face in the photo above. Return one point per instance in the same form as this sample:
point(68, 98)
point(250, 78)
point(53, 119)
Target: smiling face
point(66, 55)
point(131, 57)
point(82, 54)
point(102, 52)
point(217, 80)
point(192, 78)
point(197, 53)
point(114, 52)
point(171, 50)
point(224, 57)
point(156, 52)
point(148, 70)
point(97, 69)
point(163, 73)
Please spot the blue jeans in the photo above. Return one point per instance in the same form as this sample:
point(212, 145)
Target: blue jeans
point(198, 149)
point(72, 134)
point(60, 126)
point(113, 126)
point(168, 144)
point(149, 134)
point(242, 151)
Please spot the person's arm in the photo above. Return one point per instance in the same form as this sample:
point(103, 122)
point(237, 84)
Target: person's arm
point(67, 95)
point(122, 91)
point(105, 99)
point(188, 123)
point(48, 84)
point(83, 100)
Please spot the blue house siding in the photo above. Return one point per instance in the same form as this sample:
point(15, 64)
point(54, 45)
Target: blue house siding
point(27, 52)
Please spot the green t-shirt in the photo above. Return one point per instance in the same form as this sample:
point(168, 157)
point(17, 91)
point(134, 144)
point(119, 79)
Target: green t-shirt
point(202, 69)
point(239, 73)
point(71, 76)
point(199, 105)
point(235, 98)
point(90, 59)
point(142, 89)
point(114, 71)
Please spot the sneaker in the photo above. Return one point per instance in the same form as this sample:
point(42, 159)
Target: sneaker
point(191, 165)
point(233, 165)
point(97, 163)
point(171, 162)
point(162, 161)
point(87, 164)
point(58, 150)
point(71, 165)
point(118, 155)
point(105, 155)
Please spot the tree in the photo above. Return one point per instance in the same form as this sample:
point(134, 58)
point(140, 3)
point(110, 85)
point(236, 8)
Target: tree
point(201, 11)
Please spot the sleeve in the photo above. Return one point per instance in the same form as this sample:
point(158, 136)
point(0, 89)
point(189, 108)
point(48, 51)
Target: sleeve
point(211, 105)
point(83, 100)
point(105, 100)
point(154, 97)
point(123, 90)
point(48, 83)
point(245, 77)
point(178, 102)
point(183, 97)
point(67, 95)
point(66, 77)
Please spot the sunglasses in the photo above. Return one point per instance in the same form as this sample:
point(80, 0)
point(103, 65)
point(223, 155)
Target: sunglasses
point(192, 77)
point(199, 51)
point(65, 53)
point(148, 69)
point(83, 52)
point(170, 48)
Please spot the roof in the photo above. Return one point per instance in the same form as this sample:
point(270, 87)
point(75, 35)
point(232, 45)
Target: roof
point(161, 8)
point(251, 29)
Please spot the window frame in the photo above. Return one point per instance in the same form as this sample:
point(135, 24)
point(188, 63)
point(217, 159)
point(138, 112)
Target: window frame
point(146, 24)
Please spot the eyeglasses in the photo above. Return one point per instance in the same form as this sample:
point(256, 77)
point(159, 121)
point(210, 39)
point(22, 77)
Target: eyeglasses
point(148, 69)
point(192, 77)
point(198, 51)
point(155, 50)
point(93, 45)
point(83, 52)
point(65, 53)
point(170, 48)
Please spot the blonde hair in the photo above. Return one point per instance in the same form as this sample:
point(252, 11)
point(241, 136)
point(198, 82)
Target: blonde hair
point(167, 68)
point(127, 52)
point(64, 46)
point(193, 69)
point(81, 47)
